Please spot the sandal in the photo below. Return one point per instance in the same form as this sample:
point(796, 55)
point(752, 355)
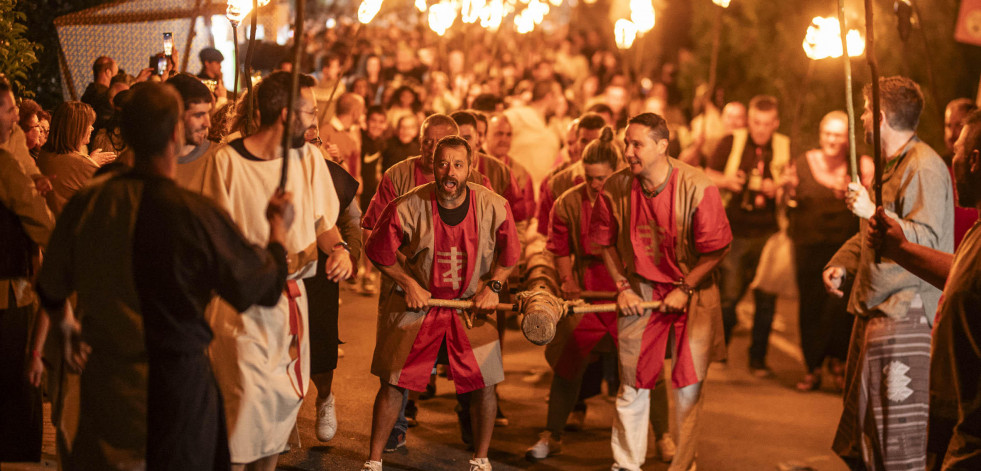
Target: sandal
point(811, 382)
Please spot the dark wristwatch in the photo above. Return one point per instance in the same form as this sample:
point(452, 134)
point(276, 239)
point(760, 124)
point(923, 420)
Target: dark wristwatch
point(495, 286)
point(342, 245)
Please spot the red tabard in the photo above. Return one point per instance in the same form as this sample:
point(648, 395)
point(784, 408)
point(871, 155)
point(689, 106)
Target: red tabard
point(453, 267)
point(652, 234)
point(590, 329)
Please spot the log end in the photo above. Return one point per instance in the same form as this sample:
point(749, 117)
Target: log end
point(538, 327)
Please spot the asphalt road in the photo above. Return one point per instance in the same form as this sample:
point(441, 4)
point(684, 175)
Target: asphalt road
point(747, 423)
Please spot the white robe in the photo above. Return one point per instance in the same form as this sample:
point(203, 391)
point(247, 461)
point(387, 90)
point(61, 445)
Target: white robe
point(251, 351)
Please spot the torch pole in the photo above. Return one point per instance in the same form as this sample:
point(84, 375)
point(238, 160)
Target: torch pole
point(248, 68)
point(235, 55)
point(294, 89)
point(849, 99)
point(876, 113)
point(713, 67)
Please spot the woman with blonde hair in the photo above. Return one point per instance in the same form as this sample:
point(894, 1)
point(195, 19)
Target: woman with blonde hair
point(64, 158)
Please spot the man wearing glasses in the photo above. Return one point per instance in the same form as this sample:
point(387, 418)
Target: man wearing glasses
point(261, 356)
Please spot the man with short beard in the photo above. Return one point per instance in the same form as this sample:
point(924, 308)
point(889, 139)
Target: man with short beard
point(197, 150)
point(397, 181)
point(457, 240)
point(662, 230)
point(261, 357)
point(954, 361)
point(502, 180)
point(886, 378)
point(414, 171)
point(957, 110)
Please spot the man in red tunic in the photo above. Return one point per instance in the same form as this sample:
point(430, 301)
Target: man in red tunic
point(413, 171)
point(663, 230)
point(397, 181)
point(502, 180)
point(580, 266)
point(570, 173)
point(459, 241)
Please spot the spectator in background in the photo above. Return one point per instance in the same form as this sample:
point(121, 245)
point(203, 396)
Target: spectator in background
point(343, 130)
point(96, 93)
point(30, 122)
point(330, 86)
point(745, 166)
point(534, 144)
point(373, 143)
point(64, 159)
point(373, 79)
point(404, 101)
point(402, 145)
point(819, 224)
point(957, 110)
point(25, 224)
point(211, 60)
point(110, 138)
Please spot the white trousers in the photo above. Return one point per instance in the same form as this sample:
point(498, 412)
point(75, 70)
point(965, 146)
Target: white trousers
point(629, 439)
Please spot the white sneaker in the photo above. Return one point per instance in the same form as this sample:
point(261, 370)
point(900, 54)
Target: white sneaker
point(479, 464)
point(327, 420)
point(665, 448)
point(372, 466)
point(544, 447)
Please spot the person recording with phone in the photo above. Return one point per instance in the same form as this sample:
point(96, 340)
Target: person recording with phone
point(211, 75)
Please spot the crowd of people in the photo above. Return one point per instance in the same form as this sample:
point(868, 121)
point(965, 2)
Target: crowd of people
point(189, 278)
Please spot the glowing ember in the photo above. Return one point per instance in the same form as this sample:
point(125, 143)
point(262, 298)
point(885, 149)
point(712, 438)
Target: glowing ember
point(823, 40)
point(642, 15)
point(237, 10)
point(441, 17)
point(368, 10)
point(625, 32)
point(722, 3)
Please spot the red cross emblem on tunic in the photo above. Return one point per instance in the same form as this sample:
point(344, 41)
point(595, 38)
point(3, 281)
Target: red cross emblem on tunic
point(453, 261)
point(651, 235)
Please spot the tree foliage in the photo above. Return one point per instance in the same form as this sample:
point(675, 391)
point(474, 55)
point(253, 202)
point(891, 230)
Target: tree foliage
point(45, 77)
point(761, 53)
point(17, 53)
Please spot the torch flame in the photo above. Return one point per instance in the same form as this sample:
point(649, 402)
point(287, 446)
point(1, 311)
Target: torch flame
point(492, 15)
point(421, 5)
point(523, 23)
point(625, 32)
point(823, 39)
point(642, 15)
point(441, 17)
point(532, 15)
point(237, 10)
point(470, 10)
point(368, 10)
point(722, 3)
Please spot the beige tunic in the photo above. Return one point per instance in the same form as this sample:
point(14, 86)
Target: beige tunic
point(251, 350)
point(704, 324)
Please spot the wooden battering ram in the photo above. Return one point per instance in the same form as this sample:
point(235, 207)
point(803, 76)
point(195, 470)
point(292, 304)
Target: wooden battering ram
point(538, 304)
